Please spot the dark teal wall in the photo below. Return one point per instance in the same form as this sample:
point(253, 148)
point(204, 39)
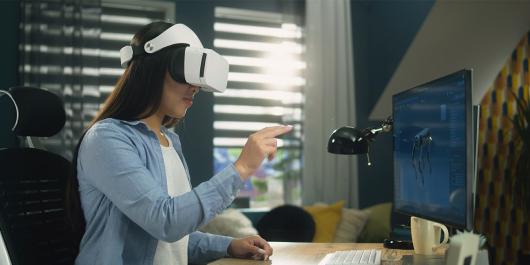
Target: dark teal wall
point(382, 33)
point(9, 13)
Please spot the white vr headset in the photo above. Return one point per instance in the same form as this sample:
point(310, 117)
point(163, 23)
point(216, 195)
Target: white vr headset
point(190, 63)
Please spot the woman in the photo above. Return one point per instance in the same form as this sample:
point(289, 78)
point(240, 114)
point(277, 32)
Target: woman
point(134, 188)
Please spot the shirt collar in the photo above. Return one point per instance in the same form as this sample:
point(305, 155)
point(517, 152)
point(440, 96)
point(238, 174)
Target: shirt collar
point(136, 122)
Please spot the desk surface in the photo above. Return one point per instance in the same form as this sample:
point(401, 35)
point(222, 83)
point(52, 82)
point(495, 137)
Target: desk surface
point(306, 253)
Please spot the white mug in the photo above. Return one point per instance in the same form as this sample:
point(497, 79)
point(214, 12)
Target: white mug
point(426, 235)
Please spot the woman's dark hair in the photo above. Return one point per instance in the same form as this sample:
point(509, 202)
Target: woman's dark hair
point(137, 95)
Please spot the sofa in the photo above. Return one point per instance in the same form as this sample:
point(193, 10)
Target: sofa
point(334, 223)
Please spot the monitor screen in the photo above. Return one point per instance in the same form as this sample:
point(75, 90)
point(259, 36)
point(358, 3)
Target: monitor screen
point(433, 162)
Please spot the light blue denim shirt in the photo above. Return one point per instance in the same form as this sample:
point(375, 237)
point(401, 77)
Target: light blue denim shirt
point(122, 183)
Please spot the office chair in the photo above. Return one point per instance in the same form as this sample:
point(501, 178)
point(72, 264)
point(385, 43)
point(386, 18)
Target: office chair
point(287, 223)
point(4, 257)
point(33, 220)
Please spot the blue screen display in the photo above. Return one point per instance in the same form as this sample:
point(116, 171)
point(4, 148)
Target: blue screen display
point(430, 150)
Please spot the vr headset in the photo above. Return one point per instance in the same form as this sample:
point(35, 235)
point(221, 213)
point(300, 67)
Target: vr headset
point(190, 62)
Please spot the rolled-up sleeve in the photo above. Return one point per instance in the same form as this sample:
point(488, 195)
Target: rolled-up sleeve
point(109, 160)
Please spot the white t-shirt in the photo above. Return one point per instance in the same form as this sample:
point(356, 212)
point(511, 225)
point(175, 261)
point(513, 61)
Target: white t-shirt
point(175, 253)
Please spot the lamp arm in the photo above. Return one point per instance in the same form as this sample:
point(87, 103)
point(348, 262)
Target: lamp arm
point(388, 124)
point(377, 130)
point(385, 127)
point(371, 133)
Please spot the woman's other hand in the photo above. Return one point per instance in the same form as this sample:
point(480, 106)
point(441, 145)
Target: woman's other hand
point(252, 247)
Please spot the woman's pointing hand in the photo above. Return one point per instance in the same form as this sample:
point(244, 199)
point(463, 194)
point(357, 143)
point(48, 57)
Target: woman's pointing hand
point(259, 145)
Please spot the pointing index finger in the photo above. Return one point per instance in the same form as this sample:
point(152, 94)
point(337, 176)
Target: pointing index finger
point(275, 131)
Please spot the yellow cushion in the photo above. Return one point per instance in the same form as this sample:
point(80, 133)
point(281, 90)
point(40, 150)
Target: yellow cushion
point(326, 219)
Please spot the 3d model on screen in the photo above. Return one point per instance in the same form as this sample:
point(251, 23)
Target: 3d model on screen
point(421, 157)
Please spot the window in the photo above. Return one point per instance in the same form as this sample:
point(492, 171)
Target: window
point(265, 88)
point(72, 49)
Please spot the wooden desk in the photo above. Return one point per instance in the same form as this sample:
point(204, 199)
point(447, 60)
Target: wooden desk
point(305, 253)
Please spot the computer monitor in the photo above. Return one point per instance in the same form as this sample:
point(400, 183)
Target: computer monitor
point(434, 153)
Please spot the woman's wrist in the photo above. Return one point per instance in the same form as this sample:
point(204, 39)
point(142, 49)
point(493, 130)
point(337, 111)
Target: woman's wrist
point(242, 170)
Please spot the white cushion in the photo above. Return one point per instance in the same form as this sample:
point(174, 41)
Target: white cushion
point(231, 223)
point(351, 224)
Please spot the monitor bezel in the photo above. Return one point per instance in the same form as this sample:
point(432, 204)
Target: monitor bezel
point(468, 75)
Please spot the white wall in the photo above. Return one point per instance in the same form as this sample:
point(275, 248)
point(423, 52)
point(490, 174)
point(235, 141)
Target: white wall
point(455, 35)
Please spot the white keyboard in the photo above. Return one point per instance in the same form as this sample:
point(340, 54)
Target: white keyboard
point(352, 257)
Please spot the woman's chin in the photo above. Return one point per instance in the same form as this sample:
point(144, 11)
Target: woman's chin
point(183, 113)
point(179, 114)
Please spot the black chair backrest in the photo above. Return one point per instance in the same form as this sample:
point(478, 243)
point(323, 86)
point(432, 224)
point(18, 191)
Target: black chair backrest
point(41, 113)
point(287, 223)
point(33, 217)
point(32, 206)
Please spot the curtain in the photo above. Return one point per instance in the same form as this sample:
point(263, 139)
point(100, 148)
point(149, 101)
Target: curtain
point(329, 103)
point(58, 51)
point(496, 214)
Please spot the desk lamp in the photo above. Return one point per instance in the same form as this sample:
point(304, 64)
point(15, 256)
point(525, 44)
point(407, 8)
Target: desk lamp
point(352, 141)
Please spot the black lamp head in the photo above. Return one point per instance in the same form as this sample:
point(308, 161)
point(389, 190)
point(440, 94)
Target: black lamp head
point(348, 141)
point(352, 141)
